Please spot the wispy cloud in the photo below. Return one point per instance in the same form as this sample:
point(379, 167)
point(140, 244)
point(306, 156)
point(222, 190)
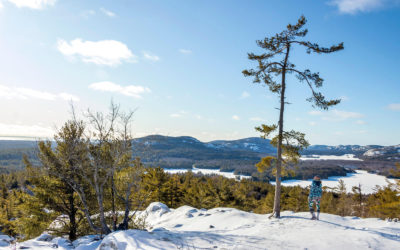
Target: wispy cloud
point(394, 106)
point(244, 95)
point(107, 12)
point(361, 122)
point(185, 51)
point(27, 93)
point(179, 114)
point(88, 13)
point(354, 6)
point(33, 4)
point(235, 117)
point(25, 130)
point(130, 90)
point(149, 56)
point(336, 115)
point(105, 52)
point(312, 123)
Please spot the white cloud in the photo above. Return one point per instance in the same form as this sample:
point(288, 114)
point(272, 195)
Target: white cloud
point(130, 90)
point(87, 13)
point(236, 118)
point(175, 115)
point(105, 52)
point(27, 93)
point(314, 112)
point(244, 95)
point(68, 97)
point(33, 4)
point(107, 12)
point(25, 130)
point(361, 122)
point(312, 123)
point(336, 115)
point(354, 6)
point(1, 5)
point(185, 51)
point(150, 56)
point(179, 114)
point(394, 106)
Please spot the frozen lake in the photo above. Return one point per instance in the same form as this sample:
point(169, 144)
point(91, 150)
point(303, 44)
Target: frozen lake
point(346, 157)
point(368, 181)
point(206, 172)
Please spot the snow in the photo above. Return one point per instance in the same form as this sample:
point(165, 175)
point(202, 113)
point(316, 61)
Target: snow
point(228, 228)
point(373, 152)
point(206, 172)
point(368, 181)
point(5, 240)
point(252, 146)
point(346, 157)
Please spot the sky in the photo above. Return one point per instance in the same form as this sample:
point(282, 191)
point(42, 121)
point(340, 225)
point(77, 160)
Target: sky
point(178, 64)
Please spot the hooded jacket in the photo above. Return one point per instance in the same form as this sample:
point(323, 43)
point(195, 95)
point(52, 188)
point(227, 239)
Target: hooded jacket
point(315, 189)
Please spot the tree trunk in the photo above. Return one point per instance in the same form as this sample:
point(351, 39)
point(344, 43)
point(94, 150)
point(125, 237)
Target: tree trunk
point(125, 222)
point(277, 198)
point(104, 227)
point(114, 216)
point(72, 217)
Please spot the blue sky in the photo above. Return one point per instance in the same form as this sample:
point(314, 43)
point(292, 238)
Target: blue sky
point(179, 64)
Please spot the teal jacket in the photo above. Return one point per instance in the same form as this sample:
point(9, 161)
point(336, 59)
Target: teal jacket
point(315, 189)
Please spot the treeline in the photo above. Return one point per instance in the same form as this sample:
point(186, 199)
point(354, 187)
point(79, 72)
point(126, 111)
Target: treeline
point(11, 158)
point(88, 182)
point(29, 206)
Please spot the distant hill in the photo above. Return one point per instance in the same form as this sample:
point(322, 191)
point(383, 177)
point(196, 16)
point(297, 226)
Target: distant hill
point(251, 147)
point(227, 155)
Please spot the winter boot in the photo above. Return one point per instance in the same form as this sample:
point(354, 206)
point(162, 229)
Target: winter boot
point(312, 214)
point(317, 215)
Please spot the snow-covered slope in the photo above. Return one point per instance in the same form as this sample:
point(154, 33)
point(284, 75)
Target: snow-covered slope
point(228, 228)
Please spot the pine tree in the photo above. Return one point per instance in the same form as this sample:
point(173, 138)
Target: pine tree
point(281, 45)
point(358, 200)
point(173, 190)
point(297, 199)
point(155, 182)
point(54, 195)
point(343, 206)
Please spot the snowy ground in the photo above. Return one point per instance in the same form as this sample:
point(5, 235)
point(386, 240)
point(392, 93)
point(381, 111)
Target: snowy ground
point(368, 181)
point(228, 228)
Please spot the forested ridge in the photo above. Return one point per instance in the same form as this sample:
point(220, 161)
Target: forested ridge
point(31, 200)
point(78, 185)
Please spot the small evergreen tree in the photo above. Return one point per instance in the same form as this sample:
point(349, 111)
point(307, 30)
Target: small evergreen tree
point(343, 206)
point(358, 200)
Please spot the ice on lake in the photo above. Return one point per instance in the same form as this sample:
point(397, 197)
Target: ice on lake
point(367, 180)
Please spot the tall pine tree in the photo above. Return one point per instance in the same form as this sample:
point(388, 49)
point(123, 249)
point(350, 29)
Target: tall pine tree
point(270, 67)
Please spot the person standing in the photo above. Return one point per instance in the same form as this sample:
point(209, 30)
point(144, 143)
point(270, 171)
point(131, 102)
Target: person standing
point(315, 197)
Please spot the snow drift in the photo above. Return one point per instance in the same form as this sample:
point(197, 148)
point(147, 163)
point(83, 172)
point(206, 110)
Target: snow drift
point(228, 228)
